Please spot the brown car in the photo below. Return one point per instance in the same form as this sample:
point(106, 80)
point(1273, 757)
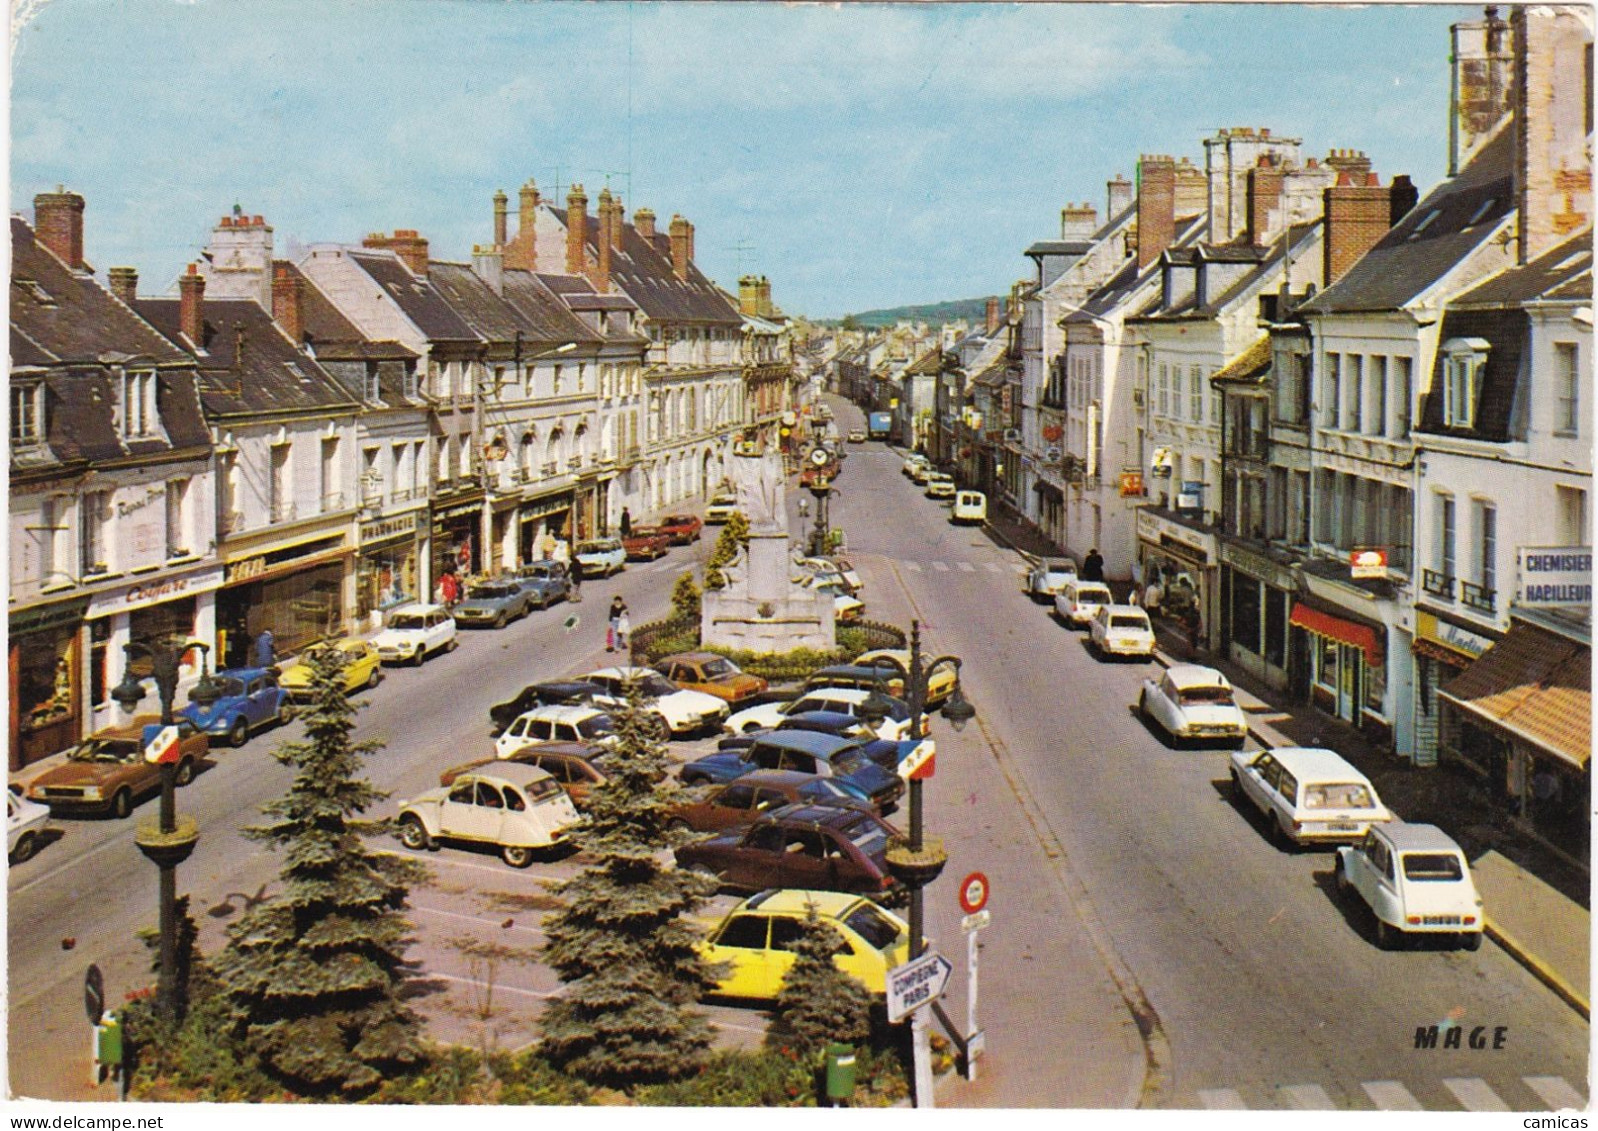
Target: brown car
point(106, 772)
point(712, 674)
point(810, 847)
point(569, 763)
point(737, 803)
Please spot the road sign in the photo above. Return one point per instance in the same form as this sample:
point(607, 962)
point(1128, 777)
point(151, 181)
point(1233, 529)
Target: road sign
point(93, 994)
point(921, 762)
point(916, 983)
point(976, 921)
point(163, 747)
point(973, 893)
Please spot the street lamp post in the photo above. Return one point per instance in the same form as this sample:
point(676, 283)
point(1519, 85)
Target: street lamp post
point(168, 843)
point(822, 490)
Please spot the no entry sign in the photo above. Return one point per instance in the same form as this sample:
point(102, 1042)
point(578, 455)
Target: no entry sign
point(973, 893)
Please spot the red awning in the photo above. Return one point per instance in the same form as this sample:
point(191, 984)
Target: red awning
point(1344, 631)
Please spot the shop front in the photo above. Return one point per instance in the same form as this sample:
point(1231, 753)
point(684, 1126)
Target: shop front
point(1257, 594)
point(45, 684)
point(1443, 650)
point(1178, 570)
point(456, 527)
point(388, 563)
point(540, 522)
point(295, 591)
point(1346, 665)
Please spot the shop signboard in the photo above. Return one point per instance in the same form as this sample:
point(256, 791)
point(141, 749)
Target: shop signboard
point(1428, 626)
point(1131, 483)
point(1190, 496)
point(1553, 577)
point(394, 527)
point(1367, 563)
point(155, 590)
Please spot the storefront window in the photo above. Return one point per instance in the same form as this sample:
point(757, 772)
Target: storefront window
point(44, 679)
point(387, 578)
point(1275, 652)
point(99, 638)
point(158, 623)
point(1375, 686)
point(1326, 662)
point(1246, 612)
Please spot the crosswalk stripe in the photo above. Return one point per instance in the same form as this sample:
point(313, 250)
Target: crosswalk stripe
point(913, 567)
point(993, 567)
point(1306, 1097)
point(1557, 1094)
point(1473, 1094)
point(941, 567)
point(966, 567)
point(1390, 1095)
point(1221, 1099)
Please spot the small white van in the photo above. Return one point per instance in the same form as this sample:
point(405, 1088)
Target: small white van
point(1079, 601)
point(970, 507)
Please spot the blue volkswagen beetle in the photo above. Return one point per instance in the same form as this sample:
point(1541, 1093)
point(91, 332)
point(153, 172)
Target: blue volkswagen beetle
point(251, 699)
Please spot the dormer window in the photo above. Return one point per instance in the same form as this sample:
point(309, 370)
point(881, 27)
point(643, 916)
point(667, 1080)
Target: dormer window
point(1426, 223)
point(136, 414)
point(374, 391)
point(27, 414)
point(1465, 360)
point(1482, 209)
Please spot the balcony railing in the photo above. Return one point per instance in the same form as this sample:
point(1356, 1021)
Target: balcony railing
point(1478, 597)
point(1437, 584)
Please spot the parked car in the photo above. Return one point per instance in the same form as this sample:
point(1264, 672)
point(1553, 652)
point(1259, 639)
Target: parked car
point(493, 603)
point(27, 824)
point(844, 700)
point(713, 675)
point(574, 765)
point(917, 467)
point(939, 486)
point(577, 723)
point(516, 808)
point(646, 544)
point(756, 943)
point(683, 529)
point(601, 557)
point(970, 508)
point(941, 680)
point(738, 802)
point(1049, 577)
point(363, 667)
point(1121, 630)
point(251, 699)
point(721, 508)
point(680, 711)
point(1308, 795)
point(106, 772)
point(546, 582)
point(1416, 881)
point(856, 436)
point(1189, 701)
point(821, 722)
point(839, 566)
point(844, 607)
point(801, 846)
point(1080, 600)
point(804, 752)
point(555, 692)
point(415, 632)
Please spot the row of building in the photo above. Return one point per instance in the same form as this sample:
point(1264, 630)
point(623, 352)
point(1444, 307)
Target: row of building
point(302, 444)
point(1346, 427)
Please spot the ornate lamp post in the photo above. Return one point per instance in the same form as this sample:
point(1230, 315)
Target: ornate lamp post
point(167, 843)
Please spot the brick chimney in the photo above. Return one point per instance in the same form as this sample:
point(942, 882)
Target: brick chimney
point(1351, 161)
point(1481, 92)
point(992, 322)
point(1358, 213)
point(576, 231)
point(58, 224)
point(1553, 175)
point(602, 273)
point(644, 221)
point(522, 252)
point(1404, 197)
point(748, 295)
point(191, 306)
point(1264, 198)
point(765, 307)
point(690, 243)
point(124, 283)
point(681, 256)
point(1156, 207)
point(501, 218)
point(1192, 195)
point(288, 302)
point(405, 243)
point(1078, 221)
point(1118, 196)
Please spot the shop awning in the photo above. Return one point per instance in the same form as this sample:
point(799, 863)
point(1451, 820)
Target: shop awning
point(1536, 685)
point(1352, 633)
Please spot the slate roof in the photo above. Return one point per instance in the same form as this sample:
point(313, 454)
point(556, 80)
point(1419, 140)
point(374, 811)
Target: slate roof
point(418, 299)
point(1128, 279)
point(548, 301)
point(1453, 220)
point(1060, 247)
point(1563, 272)
point(642, 270)
point(1505, 331)
point(249, 365)
point(1249, 366)
point(1536, 684)
point(1265, 258)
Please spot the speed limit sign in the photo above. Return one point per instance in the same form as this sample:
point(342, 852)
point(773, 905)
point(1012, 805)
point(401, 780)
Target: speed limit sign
point(973, 893)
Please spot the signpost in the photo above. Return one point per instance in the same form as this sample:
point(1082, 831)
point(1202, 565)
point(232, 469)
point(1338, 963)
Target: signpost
point(974, 890)
point(917, 983)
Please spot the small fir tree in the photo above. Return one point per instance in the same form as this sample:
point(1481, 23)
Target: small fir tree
point(734, 535)
point(621, 943)
point(818, 1002)
point(685, 598)
point(313, 973)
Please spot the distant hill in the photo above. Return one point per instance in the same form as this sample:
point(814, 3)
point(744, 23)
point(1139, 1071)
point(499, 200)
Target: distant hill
point(973, 310)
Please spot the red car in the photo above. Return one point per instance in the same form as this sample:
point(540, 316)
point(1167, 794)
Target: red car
point(646, 544)
point(680, 528)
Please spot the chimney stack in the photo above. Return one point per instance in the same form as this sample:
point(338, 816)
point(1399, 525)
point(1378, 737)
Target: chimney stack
point(501, 218)
point(644, 221)
point(288, 309)
point(1552, 124)
point(748, 295)
point(488, 264)
point(1358, 213)
point(191, 306)
point(1119, 196)
point(764, 295)
point(576, 231)
point(1404, 196)
point(58, 224)
point(124, 283)
point(681, 256)
point(405, 243)
point(1264, 198)
point(1481, 91)
point(993, 315)
point(1156, 208)
point(602, 273)
point(523, 250)
point(1078, 221)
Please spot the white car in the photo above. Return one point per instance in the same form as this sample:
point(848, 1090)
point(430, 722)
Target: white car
point(826, 567)
point(600, 557)
point(839, 700)
point(679, 710)
point(970, 507)
point(844, 607)
point(1045, 580)
point(1416, 881)
point(1189, 701)
point(25, 826)
point(721, 508)
point(514, 807)
point(1308, 794)
point(1121, 630)
point(579, 722)
point(1079, 601)
point(917, 467)
point(939, 485)
point(415, 632)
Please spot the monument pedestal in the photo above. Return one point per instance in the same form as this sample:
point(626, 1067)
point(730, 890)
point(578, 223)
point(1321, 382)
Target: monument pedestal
point(761, 610)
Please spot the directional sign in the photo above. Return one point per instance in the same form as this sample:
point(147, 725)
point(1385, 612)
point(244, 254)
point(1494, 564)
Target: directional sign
point(921, 762)
point(973, 893)
point(918, 982)
point(163, 747)
point(976, 921)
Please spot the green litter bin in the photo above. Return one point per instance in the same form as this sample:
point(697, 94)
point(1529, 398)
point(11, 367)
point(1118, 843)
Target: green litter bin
point(840, 1073)
point(108, 1045)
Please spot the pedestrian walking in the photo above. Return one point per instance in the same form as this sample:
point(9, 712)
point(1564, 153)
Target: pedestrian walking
point(624, 627)
point(618, 612)
point(1195, 625)
point(265, 649)
point(626, 523)
point(1093, 566)
point(574, 585)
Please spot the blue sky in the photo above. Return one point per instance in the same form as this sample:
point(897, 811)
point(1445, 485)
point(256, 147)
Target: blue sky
point(859, 156)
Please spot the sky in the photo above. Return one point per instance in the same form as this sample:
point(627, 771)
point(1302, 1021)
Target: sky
point(858, 155)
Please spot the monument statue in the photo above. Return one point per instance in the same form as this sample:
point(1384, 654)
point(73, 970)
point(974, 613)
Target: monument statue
point(758, 482)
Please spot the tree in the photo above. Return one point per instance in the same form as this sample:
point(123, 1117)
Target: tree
point(850, 322)
point(313, 973)
point(734, 535)
point(621, 944)
point(685, 597)
point(818, 1002)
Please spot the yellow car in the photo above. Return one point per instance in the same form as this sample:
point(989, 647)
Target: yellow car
point(941, 681)
point(362, 668)
point(757, 937)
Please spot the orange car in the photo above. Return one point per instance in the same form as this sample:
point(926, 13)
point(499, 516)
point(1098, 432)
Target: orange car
point(106, 772)
point(569, 763)
point(712, 674)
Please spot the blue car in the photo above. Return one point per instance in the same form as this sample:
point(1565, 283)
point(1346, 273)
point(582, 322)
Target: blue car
point(842, 759)
point(251, 699)
point(546, 581)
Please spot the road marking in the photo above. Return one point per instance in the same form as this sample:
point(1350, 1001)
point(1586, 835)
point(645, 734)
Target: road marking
point(913, 567)
point(1557, 1094)
point(941, 567)
point(479, 919)
point(966, 567)
point(1390, 1095)
point(498, 987)
point(993, 567)
point(1307, 1097)
point(1473, 1094)
point(1222, 1099)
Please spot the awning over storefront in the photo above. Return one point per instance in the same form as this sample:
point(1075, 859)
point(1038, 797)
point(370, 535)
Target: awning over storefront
point(1352, 633)
point(1536, 685)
